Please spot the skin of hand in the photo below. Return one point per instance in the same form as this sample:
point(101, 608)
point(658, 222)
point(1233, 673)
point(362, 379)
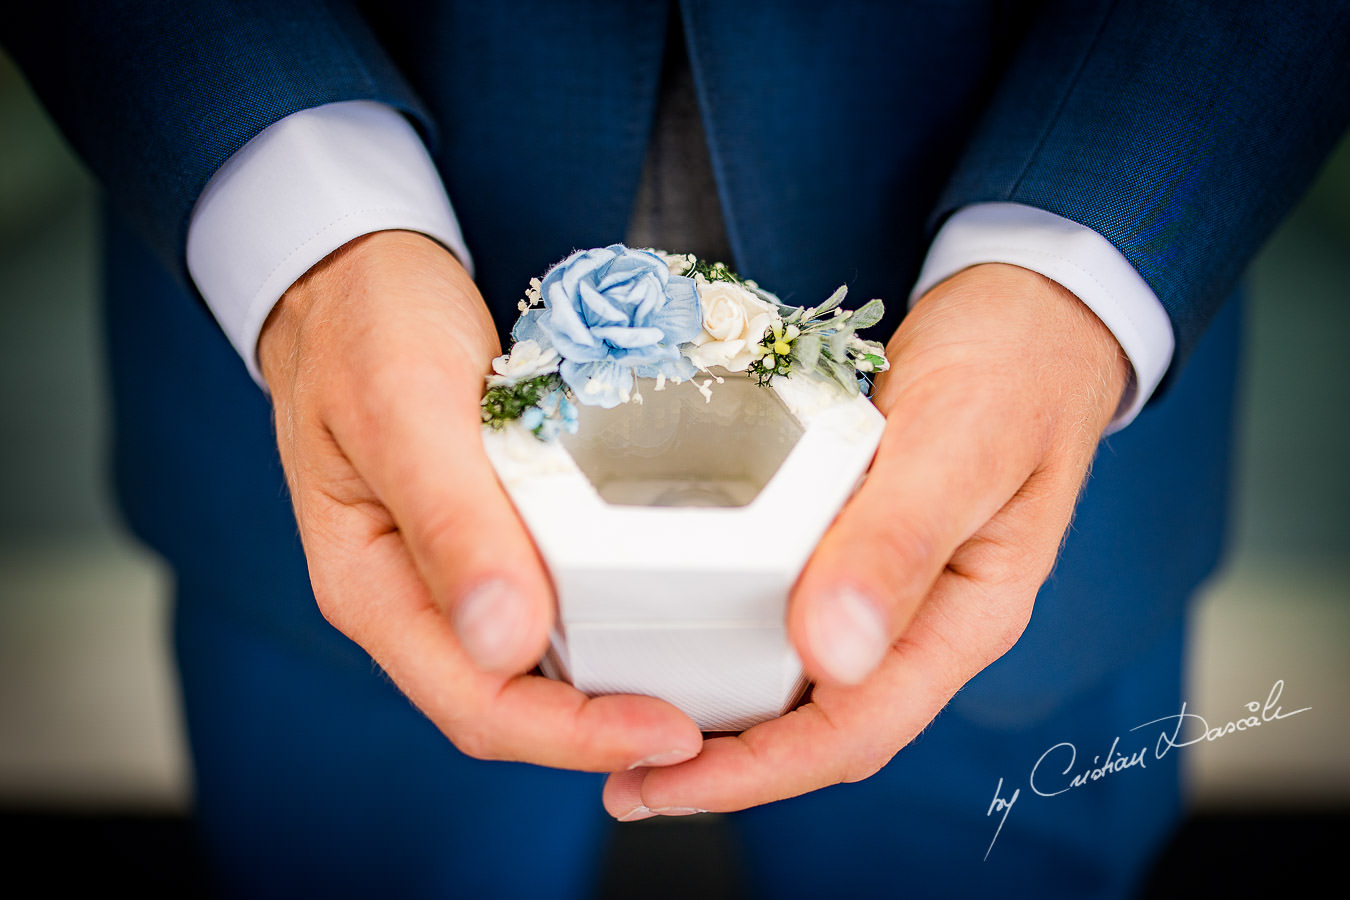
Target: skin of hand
point(375, 362)
point(1001, 384)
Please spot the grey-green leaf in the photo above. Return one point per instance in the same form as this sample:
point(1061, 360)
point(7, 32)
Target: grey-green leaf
point(867, 315)
point(845, 375)
point(806, 348)
point(835, 299)
point(837, 347)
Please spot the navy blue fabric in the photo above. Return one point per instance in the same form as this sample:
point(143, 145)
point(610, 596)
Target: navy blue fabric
point(156, 95)
point(544, 112)
point(923, 826)
point(837, 132)
point(1180, 131)
point(321, 780)
point(831, 127)
point(838, 124)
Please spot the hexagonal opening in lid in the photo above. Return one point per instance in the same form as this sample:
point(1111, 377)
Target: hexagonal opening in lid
point(678, 448)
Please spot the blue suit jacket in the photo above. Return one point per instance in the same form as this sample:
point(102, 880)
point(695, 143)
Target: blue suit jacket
point(842, 135)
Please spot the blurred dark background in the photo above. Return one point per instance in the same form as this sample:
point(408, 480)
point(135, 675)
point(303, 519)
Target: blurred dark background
point(94, 785)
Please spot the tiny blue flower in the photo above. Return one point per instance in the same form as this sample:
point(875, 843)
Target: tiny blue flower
point(553, 414)
point(568, 410)
point(548, 429)
point(612, 314)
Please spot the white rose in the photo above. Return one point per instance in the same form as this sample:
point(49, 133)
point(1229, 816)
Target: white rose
point(526, 360)
point(734, 321)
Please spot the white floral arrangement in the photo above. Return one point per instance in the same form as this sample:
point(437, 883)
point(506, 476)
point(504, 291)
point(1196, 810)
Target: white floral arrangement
point(604, 318)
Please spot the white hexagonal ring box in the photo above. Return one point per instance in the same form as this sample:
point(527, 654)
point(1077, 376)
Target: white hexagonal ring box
point(675, 527)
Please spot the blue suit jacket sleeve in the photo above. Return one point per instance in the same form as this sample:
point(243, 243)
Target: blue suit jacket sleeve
point(156, 96)
point(1180, 131)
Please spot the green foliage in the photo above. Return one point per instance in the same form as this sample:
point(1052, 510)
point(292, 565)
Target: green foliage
point(714, 271)
point(506, 403)
point(823, 339)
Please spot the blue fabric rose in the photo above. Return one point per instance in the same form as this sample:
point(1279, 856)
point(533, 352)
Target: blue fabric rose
point(614, 314)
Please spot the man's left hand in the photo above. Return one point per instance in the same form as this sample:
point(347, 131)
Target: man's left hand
point(1001, 384)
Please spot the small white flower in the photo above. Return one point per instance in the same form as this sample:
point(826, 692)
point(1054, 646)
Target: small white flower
point(860, 350)
point(734, 321)
point(679, 263)
point(526, 360)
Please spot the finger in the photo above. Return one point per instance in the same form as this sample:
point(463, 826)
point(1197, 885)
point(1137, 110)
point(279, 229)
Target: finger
point(623, 795)
point(846, 735)
point(944, 468)
point(490, 716)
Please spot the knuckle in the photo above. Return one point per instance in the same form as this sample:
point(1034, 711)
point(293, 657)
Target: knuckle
point(474, 740)
point(1001, 565)
point(1001, 617)
point(329, 597)
point(1007, 631)
point(328, 606)
point(864, 767)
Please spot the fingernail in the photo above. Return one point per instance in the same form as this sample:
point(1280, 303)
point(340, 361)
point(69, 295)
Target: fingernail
point(489, 622)
point(668, 758)
point(677, 811)
point(636, 814)
point(849, 635)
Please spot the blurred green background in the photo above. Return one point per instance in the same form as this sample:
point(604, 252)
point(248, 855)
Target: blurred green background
point(88, 714)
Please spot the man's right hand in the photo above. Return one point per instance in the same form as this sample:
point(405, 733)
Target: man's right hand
point(375, 361)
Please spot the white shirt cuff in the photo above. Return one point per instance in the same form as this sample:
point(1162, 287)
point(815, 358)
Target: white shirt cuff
point(1080, 260)
point(299, 190)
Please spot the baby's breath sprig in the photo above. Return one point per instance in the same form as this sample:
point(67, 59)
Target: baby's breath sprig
point(714, 271)
point(822, 339)
point(702, 270)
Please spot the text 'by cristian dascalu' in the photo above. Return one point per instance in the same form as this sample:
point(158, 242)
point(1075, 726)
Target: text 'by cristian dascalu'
point(1058, 770)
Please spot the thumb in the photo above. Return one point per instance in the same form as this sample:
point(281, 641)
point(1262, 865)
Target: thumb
point(397, 341)
point(932, 485)
point(431, 471)
point(1000, 383)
